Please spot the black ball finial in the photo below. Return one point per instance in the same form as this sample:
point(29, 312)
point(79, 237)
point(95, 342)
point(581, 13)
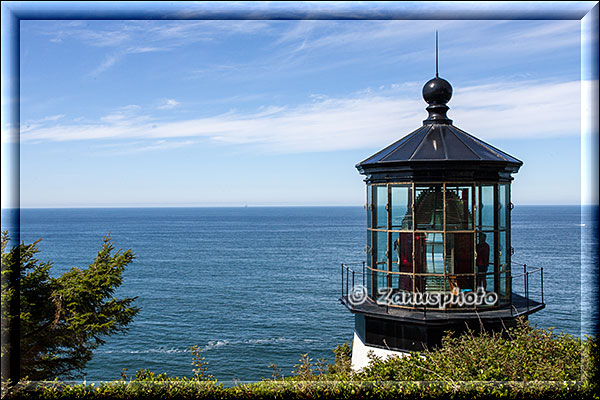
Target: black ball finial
point(437, 92)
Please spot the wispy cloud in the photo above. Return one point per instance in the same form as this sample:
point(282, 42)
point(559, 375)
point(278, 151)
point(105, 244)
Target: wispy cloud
point(108, 62)
point(304, 47)
point(367, 119)
point(80, 32)
point(520, 109)
point(49, 118)
point(291, 42)
point(123, 38)
point(168, 104)
point(143, 49)
point(143, 147)
point(53, 117)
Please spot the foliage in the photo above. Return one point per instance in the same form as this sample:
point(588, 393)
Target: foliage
point(186, 388)
point(343, 361)
point(304, 369)
point(316, 381)
point(522, 362)
point(64, 319)
point(522, 353)
point(276, 371)
point(200, 364)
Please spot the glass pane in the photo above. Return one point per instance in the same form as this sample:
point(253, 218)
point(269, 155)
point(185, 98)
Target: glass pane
point(504, 290)
point(429, 208)
point(402, 247)
point(370, 283)
point(401, 206)
point(459, 253)
point(382, 283)
point(459, 284)
point(379, 203)
point(419, 284)
point(487, 281)
point(429, 253)
point(485, 208)
point(369, 248)
point(393, 281)
point(369, 206)
point(490, 298)
point(503, 200)
point(485, 258)
point(502, 260)
point(405, 283)
point(459, 208)
point(433, 284)
point(463, 288)
point(380, 250)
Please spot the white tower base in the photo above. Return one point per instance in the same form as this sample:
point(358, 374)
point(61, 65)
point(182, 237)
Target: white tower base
point(360, 351)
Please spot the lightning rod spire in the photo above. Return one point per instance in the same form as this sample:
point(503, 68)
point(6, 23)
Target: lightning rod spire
point(436, 54)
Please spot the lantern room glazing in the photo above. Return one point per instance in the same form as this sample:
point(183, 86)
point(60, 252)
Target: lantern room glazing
point(439, 237)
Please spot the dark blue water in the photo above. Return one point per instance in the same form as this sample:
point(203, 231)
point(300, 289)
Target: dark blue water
point(254, 286)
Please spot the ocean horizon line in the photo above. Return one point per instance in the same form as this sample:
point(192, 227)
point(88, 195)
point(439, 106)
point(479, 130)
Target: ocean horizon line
point(246, 206)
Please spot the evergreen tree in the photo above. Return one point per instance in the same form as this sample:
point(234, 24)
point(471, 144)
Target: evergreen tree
point(63, 319)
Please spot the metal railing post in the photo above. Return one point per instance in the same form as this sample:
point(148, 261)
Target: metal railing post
point(524, 272)
point(511, 295)
point(525, 280)
point(352, 279)
point(527, 288)
point(542, 282)
point(342, 279)
point(347, 283)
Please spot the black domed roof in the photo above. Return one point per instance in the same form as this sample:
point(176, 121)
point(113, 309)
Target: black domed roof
point(440, 142)
point(439, 150)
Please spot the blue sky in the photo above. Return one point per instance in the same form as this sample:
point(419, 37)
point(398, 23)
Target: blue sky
point(205, 113)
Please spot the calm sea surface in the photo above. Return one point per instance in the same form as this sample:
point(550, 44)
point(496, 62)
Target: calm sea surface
point(254, 286)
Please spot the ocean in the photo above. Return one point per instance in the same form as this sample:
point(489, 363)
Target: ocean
point(253, 286)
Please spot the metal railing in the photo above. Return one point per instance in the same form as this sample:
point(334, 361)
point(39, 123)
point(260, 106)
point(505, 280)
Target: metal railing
point(349, 277)
point(355, 273)
point(527, 275)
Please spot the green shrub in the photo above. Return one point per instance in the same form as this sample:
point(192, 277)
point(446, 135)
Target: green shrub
point(64, 319)
point(524, 363)
point(522, 353)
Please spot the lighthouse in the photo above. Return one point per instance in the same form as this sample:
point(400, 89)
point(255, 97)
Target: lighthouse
point(438, 250)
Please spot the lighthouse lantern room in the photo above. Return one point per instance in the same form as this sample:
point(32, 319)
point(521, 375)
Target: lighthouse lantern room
point(438, 243)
